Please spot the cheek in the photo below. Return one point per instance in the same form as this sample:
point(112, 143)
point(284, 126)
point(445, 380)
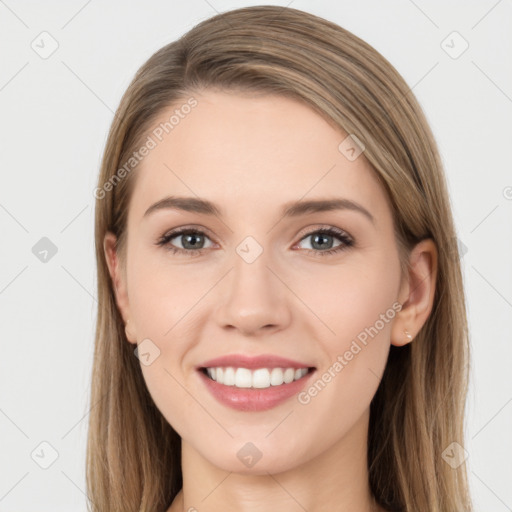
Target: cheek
point(350, 297)
point(357, 305)
point(161, 293)
point(162, 298)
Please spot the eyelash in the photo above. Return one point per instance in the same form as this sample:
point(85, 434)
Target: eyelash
point(347, 242)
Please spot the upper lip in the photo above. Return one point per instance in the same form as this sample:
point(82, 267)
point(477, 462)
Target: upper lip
point(253, 362)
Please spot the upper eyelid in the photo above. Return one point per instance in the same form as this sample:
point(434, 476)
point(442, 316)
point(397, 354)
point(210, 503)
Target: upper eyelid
point(310, 231)
point(173, 233)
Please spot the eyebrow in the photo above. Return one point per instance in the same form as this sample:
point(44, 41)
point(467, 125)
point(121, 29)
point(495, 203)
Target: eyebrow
point(291, 209)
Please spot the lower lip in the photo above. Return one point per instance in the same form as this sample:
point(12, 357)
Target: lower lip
point(252, 399)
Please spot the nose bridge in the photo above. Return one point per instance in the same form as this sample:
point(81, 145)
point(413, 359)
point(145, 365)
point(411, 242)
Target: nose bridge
point(252, 296)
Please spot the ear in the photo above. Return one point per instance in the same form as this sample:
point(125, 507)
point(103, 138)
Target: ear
point(118, 276)
point(416, 293)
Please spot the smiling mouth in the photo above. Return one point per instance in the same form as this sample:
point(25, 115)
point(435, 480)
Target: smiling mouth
point(259, 378)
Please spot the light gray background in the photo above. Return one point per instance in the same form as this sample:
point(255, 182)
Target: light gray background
point(55, 114)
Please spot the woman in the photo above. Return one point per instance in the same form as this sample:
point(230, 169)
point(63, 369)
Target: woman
point(281, 321)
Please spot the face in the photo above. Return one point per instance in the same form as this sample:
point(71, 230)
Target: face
point(316, 287)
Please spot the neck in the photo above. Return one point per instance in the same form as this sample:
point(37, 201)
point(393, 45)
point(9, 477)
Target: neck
point(334, 480)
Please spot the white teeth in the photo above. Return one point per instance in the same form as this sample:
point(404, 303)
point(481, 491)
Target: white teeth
point(289, 374)
point(276, 377)
point(229, 377)
point(243, 378)
point(261, 378)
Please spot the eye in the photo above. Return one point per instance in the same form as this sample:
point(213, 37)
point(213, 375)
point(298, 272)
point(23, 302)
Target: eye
point(191, 240)
point(322, 244)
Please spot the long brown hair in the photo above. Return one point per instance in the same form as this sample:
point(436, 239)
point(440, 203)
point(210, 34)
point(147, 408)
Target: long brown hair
point(133, 454)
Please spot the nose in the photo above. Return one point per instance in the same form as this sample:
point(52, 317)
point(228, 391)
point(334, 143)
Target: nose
point(253, 298)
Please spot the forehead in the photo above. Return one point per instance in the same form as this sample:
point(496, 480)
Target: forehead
point(249, 152)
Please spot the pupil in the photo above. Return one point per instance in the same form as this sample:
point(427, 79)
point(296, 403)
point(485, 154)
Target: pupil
point(192, 236)
point(319, 236)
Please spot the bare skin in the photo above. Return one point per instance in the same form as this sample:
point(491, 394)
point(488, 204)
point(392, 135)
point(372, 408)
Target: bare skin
point(250, 156)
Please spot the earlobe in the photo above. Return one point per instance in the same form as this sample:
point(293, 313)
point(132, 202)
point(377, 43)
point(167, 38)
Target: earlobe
point(419, 297)
point(401, 338)
point(129, 335)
